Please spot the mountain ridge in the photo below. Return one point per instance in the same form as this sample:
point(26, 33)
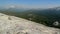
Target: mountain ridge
point(15, 25)
point(44, 16)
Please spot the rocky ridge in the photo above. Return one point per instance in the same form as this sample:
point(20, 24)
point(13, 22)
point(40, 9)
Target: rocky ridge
point(15, 25)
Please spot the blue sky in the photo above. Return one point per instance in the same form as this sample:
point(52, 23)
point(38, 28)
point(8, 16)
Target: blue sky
point(30, 3)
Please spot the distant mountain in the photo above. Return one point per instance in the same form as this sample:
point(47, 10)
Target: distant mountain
point(14, 9)
point(46, 16)
point(43, 16)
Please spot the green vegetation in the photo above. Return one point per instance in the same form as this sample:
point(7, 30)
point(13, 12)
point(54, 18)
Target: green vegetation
point(46, 17)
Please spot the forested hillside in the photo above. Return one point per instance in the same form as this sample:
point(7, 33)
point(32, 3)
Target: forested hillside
point(44, 16)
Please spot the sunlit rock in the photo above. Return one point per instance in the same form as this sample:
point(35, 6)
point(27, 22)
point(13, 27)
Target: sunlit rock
point(15, 25)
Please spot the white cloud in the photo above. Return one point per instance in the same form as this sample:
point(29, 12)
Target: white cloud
point(30, 6)
point(12, 6)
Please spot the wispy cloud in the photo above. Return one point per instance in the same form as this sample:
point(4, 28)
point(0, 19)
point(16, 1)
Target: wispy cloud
point(29, 3)
point(30, 6)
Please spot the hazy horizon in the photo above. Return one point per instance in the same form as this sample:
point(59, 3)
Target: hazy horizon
point(29, 3)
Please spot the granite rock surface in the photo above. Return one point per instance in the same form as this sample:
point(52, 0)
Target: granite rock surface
point(15, 25)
